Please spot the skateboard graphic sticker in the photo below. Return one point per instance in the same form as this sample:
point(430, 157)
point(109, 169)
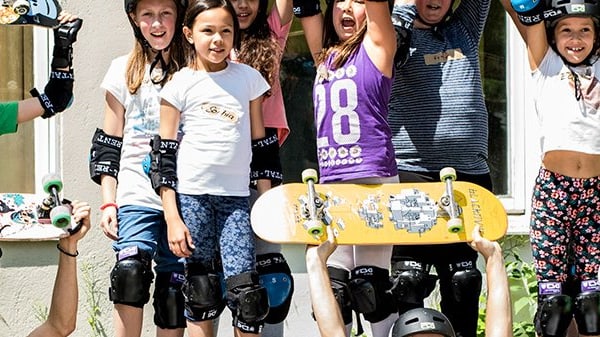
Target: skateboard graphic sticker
point(405, 213)
point(42, 13)
point(31, 217)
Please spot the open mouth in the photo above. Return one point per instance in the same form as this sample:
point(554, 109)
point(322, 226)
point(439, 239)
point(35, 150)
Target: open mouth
point(161, 34)
point(575, 50)
point(348, 22)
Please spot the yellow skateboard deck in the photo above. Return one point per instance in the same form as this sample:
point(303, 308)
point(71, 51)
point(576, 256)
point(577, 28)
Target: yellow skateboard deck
point(405, 213)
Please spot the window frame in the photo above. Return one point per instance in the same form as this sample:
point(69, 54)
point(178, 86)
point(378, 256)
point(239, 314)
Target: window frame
point(46, 131)
point(523, 134)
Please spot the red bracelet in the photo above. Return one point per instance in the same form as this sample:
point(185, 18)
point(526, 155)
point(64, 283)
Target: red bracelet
point(109, 204)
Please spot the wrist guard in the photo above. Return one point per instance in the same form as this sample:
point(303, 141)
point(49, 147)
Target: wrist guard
point(58, 93)
point(105, 155)
point(64, 37)
point(163, 163)
point(529, 12)
point(265, 160)
point(403, 18)
point(306, 8)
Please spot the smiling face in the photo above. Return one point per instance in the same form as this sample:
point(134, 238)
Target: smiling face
point(212, 36)
point(156, 20)
point(432, 12)
point(574, 37)
point(246, 11)
point(348, 16)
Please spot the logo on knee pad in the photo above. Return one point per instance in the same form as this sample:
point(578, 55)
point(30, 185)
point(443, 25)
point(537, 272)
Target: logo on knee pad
point(550, 288)
point(590, 285)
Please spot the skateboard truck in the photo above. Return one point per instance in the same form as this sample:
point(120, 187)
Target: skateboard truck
point(60, 214)
point(448, 203)
point(314, 206)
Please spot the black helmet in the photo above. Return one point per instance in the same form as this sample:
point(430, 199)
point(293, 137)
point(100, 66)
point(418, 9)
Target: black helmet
point(422, 320)
point(559, 9)
point(130, 8)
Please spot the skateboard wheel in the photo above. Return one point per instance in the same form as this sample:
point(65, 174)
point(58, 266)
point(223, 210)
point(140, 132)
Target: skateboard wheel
point(315, 231)
point(455, 225)
point(52, 180)
point(310, 174)
point(60, 216)
point(21, 7)
point(448, 173)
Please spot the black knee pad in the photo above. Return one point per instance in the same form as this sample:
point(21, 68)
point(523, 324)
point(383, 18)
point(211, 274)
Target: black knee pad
point(169, 301)
point(555, 310)
point(587, 308)
point(466, 283)
point(131, 277)
point(412, 283)
point(203, 292)
point(275, 275)
point(370, 292)
point(339, 285)
point(248, 301)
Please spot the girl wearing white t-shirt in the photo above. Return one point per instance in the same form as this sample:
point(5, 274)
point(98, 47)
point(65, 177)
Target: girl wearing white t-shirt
point(203, 178)
point(562, 41)
point(132, 213)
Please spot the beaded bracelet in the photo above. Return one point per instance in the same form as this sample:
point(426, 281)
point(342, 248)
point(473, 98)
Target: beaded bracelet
point(65, 252)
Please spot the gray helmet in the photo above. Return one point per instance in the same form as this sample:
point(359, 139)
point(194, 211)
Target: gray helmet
point(422, 320)
point(559, 9)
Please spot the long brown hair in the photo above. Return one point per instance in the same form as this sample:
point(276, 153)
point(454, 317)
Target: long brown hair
point(332, 42)
point(259, 49)
point(142, 53)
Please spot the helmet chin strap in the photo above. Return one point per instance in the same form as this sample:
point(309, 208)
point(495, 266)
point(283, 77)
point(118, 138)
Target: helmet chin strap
point(164, 67)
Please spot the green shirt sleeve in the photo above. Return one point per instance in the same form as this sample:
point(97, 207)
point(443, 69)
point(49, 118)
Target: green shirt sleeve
point(9, 112)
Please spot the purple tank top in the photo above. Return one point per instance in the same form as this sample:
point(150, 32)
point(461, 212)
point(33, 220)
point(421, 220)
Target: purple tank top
point(353, 136)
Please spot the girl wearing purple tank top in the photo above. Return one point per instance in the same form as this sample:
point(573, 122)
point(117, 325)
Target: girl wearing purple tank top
point(351, 92)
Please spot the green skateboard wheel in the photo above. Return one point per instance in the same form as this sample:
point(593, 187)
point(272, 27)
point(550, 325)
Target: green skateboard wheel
point(448, 173)
point(455, 225)
point(315, 231)
point(52, 180)
point(60, 216)
point(310, 174)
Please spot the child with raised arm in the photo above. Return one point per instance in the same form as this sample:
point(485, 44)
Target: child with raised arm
point(562, 39)
point(418, 321)
point(58, 93)
point(203, 176)
point(350, 95)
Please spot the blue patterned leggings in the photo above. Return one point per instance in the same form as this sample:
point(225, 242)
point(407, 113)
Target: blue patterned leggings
point(565, 226)
point(219, 225)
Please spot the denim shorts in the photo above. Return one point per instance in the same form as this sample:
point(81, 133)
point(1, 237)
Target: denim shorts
point(146, 228)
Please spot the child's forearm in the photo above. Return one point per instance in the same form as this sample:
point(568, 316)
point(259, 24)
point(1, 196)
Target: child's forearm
point(498, 310)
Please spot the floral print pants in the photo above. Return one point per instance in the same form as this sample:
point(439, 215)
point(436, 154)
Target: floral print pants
point(565, 227)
